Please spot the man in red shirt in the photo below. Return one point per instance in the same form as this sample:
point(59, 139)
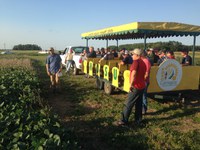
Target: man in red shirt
point(137, 86)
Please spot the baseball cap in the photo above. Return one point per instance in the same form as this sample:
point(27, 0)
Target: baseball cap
point(126, 52)
point(137, 51)
point(51, 49)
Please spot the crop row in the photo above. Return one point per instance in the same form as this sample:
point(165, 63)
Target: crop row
point(25, 123)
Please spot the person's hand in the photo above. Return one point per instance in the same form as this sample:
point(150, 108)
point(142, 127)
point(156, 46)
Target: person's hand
point(60, 70)
point(131, 88)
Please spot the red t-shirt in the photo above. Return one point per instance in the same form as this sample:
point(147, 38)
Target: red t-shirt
point(140, 68)
point(148, 67)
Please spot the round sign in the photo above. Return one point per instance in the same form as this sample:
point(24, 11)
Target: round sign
point(169, 74)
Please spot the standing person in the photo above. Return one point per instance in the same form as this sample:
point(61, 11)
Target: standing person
point(137, 85)
point(69, 60)
point(147, 76)
point(53, 68)
point(187, 59)
point(92, 53)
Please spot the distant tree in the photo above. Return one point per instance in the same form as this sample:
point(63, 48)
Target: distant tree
point(27, 47)
point(113, 47)
point(171, 45)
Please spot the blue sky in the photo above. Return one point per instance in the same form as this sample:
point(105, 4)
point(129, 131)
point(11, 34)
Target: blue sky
point(59, 23)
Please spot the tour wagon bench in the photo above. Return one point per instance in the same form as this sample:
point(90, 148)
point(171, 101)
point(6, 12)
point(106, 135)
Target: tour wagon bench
point(169, 77)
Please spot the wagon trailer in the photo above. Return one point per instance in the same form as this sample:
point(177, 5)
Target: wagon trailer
point(165, 80)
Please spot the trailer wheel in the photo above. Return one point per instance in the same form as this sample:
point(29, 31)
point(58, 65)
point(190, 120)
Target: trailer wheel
point(108, 88)
point(99, 84)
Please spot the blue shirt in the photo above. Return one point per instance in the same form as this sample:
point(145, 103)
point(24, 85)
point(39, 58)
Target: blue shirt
point(187, 60)
point(161, 60)
point(54, 62)
point(128, 60)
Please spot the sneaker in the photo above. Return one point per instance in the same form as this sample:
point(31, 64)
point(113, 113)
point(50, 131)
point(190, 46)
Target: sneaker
point(120, 123)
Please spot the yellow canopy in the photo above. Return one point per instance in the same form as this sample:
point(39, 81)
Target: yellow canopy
point(137, 30)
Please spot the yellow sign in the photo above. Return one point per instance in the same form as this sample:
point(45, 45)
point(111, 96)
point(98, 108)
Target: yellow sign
point(85, 66)
point(169, 75)
point(90, 68)
point(126, 80)
point(106, 70)
point(98, 67)
point(115, 74)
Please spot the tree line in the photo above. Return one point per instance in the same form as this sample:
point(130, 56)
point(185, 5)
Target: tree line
point(171, 45)
point(27, 47)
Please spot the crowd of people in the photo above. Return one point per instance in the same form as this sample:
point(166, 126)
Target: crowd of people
point(140, 62)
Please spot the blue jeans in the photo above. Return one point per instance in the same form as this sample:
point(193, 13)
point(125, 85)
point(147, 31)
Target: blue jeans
point(68, 65)
point(134, 98)
point(145, 102)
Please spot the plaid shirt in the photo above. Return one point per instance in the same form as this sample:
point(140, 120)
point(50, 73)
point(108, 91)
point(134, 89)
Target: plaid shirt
point(162, 59)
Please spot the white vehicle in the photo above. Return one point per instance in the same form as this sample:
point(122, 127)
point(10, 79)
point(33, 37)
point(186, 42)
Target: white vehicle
point(6, 52)
point(43, 52)
point(77, 58)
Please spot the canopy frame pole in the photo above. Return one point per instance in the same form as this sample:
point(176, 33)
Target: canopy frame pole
point(107, 43)
point(117, 44)
point(145, 41)
point(193, 49)
point(86, 42)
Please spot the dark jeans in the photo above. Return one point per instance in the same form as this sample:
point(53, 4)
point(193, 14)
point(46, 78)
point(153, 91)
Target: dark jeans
point(134, 98)
point(145, 102)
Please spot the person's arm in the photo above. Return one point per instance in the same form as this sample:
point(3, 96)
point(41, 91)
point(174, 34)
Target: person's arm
point(103, 58)
point(121, 63)
point(133, 73)
point(60, 70)
point(47, 69)
point(148, 67)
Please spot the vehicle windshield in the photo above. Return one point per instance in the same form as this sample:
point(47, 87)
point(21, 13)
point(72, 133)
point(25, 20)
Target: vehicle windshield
point(79, 49)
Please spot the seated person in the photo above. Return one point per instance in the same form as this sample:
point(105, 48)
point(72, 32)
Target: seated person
point(187, 59)
point(107, 56)
point(156, 57)
point(170, 54)
point(84, 54)
point(114, 53)
point(92, 53)
point(102, 52)
point(121, 53)
point(127, 59)
point(162, 56)
point(150, 55)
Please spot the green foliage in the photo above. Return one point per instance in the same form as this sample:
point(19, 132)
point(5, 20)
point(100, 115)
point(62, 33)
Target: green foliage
point(27, 47)
point(171, 45)
point(24, 122)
